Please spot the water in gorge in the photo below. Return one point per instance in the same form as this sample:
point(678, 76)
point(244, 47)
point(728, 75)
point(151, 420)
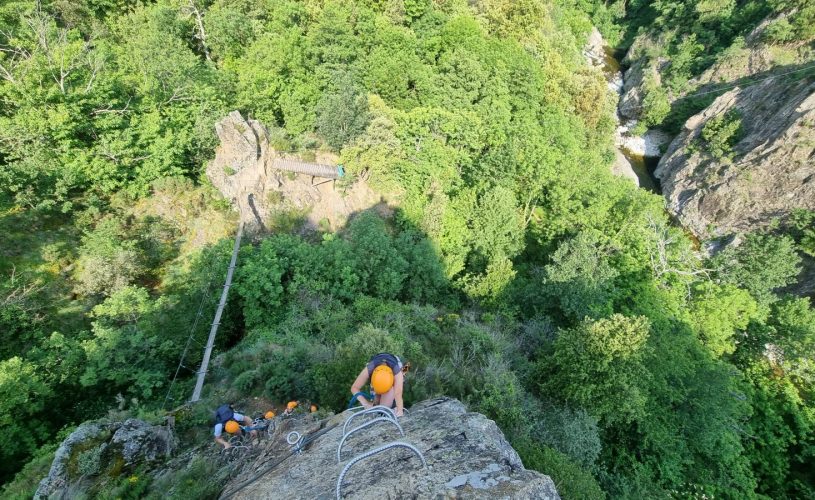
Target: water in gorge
point(639, 154)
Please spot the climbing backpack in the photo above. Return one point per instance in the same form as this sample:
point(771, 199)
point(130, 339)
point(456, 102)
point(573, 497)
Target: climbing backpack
point(223, 414)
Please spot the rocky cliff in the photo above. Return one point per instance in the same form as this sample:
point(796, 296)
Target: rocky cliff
point(463, 455)
point(769, 169)
point(243, 171)
point(95, 450)
point(772, 168)
point(466, 456)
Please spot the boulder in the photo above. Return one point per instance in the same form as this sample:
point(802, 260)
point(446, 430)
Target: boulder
point(622, 167)
point(58, 479)
point(467, 456)
point(142, 442)
point(117, 445)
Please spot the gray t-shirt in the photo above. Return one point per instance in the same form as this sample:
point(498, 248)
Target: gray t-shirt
point(385, 358)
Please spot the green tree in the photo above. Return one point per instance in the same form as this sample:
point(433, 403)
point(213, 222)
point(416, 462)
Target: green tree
point(719, 314)
point(580, 278)
point(760, 264)
point(342, 113)
point(721, 133)
point(599, 366)
point(23, 394)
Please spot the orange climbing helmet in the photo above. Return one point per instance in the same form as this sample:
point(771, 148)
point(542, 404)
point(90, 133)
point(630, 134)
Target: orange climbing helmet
point(382, 379)
point(269, 415)
point(232, 427)
point(291, 405)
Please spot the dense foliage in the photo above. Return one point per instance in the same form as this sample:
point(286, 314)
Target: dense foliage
point(515, 273)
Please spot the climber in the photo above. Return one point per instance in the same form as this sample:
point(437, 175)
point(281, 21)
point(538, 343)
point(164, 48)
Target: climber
point(227, 419)
point(290, 407)
point(387, 375)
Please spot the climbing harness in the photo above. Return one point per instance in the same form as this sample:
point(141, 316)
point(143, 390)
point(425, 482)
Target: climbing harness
point(384, 447)
point(363, 426)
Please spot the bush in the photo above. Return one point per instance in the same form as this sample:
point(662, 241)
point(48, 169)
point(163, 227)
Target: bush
point(779, 31)
point(571, 481)
point(201, 479)
point(721, 133)
point(26, 481)
point(89, 461)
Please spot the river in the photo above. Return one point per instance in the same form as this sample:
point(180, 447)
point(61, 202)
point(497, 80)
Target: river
point(640, 154)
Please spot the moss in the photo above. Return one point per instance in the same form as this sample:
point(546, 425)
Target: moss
point(117, 465)
point(73, 464)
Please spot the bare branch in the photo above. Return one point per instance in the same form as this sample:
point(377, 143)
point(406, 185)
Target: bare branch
point(192, 10)
point(19, 293)
point(663, 263)
point(110, 109)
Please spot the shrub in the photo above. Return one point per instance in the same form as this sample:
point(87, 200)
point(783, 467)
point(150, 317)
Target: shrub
point(721, 133)
point(201, 479)
point(89, 461)
point(571, 481)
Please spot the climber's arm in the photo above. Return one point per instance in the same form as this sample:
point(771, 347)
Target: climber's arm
point(361, 380)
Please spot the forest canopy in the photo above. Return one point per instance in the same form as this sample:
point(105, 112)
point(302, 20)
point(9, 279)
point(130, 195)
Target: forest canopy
point(516, 273)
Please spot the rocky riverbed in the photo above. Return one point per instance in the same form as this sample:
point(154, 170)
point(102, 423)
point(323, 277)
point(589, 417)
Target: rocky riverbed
point(637, 155)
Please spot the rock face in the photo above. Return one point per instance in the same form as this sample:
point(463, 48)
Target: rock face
point(243, 172)
point(241, 165)
point(467, 456)
point(640, 67)
point(58, 478)
point(114, 446)
point(142, 442)
point(773, 170)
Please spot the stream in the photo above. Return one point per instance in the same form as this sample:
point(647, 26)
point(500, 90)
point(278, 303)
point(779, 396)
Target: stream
point(639, 154)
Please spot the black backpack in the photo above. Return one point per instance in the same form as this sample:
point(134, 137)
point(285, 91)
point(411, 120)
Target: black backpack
point(224, 414)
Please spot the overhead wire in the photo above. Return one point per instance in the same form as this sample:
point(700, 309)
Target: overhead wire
point(191, 337)
point(743, 85)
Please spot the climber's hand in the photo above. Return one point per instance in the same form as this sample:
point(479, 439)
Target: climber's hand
point(400, 412)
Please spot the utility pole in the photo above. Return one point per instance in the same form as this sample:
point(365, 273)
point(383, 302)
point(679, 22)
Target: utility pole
point(202, 372)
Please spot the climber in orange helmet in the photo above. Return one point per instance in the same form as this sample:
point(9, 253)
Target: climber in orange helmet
point(290, 407)
point(386, 373)
point(227, 419)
